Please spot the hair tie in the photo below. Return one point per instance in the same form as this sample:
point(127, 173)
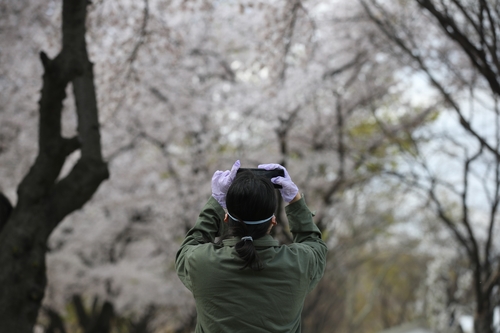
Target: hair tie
point(247, 238)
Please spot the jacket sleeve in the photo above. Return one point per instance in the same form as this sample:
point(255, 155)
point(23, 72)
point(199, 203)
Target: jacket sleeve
point(308, 236)
point(209, 225)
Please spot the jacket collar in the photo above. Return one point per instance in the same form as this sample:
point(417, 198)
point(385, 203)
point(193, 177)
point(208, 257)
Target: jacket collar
point(265, 241)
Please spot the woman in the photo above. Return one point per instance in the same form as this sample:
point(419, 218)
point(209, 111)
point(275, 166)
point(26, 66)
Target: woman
point(248, 282)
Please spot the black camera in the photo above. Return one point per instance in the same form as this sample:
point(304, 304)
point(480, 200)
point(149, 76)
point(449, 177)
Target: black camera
point(265, 173)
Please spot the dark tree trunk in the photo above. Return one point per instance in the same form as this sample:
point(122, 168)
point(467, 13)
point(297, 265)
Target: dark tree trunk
point(483, 314)
point(43, 200)
point(482, 323)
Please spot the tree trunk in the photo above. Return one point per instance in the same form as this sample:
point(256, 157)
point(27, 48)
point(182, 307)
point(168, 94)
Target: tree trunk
point(482, 322)
point(43, 200)
point(483, 316)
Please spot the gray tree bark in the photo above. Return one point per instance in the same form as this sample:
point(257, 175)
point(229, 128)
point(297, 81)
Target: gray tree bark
point(43, 199)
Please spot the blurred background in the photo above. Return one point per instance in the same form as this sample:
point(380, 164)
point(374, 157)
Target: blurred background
point(385, 113)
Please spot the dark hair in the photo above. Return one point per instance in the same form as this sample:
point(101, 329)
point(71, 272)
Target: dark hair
point(250, 198)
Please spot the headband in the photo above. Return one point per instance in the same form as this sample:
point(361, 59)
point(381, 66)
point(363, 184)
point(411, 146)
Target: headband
point(252, 222)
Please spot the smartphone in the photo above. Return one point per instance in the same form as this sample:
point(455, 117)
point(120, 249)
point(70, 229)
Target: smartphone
point(266, 173)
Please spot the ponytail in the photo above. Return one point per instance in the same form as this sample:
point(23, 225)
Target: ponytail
point(245, 247)
point(246, 250)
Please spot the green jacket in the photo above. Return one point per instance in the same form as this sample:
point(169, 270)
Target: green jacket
point(229, 299)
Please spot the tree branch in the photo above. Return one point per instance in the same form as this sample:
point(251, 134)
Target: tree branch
point(83, 180)
point(492, 281)
point(142, 34)
point(288, 34)
point(477, 56)
point(384, 27)
point(496, 194)
point(474, 251)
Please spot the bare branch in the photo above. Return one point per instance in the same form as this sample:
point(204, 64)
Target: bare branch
point(288, 35)
point(496, 193)
point(474, 251)
point(358, 61)
point(142, 33)
point(228, 73)
point(386, 27)
point(477, 56)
